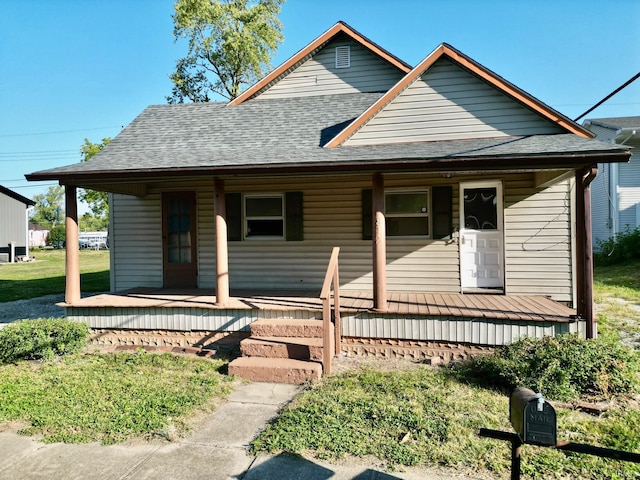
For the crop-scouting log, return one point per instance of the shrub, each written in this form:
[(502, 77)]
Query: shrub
[(41, 339), (622, 247), (565, 367)]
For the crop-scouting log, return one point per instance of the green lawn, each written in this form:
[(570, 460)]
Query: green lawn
[(45, 276), (110, 398)]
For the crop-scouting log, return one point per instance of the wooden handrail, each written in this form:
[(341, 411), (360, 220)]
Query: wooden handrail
[(331, 277)]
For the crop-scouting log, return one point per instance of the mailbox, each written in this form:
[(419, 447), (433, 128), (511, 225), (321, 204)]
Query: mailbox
[(532, 417)]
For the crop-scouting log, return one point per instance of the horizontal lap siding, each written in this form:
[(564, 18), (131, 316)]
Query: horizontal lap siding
[(13, 221), (447, 103), (318, 75), (537, 239), (332, 217), (136, 241)]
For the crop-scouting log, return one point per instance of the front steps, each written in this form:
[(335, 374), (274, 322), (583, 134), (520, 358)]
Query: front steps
[(281, 351)]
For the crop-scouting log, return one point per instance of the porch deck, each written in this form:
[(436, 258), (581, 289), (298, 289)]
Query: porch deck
[(510, 308)]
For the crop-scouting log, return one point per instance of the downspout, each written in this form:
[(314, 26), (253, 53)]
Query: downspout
[(588, 253)]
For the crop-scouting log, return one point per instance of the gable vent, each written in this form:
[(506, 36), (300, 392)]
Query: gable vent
[(343, 56)]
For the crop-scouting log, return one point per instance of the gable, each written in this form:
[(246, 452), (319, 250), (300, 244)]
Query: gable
[(447, 102), (320, 75)]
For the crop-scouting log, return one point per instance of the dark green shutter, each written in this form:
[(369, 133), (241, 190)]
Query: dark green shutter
[(233, 207), (367, 214), (293, 216), (442, 201)]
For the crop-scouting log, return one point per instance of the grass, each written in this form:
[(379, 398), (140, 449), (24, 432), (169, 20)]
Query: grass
[(425, 416), (45, 276), (109, 398)]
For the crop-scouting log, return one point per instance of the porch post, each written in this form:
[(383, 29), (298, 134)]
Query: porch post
[(222, 256), (72, 247), (584, 248), (379, 246)]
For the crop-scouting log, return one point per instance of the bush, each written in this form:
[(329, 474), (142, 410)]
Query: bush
[(622, 247), (41, 339), (563, 368)]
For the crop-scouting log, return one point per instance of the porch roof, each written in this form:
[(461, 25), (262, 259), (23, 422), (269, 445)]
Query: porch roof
[(289, 134)]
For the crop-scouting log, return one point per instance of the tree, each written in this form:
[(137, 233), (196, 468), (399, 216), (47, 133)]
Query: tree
[(98, 201), (57, 236), (91, 223), (48, 211), (231, 43)]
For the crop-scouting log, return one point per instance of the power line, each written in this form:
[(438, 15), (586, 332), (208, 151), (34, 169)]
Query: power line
[(624, 85), (57, 132)]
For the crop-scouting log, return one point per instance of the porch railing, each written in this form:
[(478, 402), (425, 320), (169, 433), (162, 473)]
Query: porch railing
[(332, 277)]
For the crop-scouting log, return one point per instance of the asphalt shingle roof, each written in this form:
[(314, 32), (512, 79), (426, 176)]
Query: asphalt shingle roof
[(285, 132), (618, 122)]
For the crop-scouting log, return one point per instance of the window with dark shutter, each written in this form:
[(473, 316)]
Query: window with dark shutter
[(442, 202)]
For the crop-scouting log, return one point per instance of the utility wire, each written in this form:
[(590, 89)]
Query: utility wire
[(624, 85), (57, 132)]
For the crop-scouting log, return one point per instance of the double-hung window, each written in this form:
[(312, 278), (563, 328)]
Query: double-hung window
[(407, 213), (264, 216)]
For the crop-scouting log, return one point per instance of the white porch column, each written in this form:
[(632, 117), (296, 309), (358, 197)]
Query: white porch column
[(379, 245), (72, 248), (222, 256)]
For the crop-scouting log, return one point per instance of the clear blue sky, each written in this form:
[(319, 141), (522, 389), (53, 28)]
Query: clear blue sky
[(76, 69)]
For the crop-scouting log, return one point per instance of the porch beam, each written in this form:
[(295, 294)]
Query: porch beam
[(222, 256), (72, 247), (379, 245)]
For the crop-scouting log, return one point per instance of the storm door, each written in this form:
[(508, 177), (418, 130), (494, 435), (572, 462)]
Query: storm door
[(481, 236), (179, 250)]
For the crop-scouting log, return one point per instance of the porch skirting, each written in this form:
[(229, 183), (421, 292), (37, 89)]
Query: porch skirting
[(414, 322)]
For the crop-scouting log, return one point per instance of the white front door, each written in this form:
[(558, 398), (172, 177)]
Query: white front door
[(481, 235)]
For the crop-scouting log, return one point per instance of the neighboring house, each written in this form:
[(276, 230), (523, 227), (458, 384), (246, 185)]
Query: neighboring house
[(615, 193), (14, 228), (460, 204), (37, 235)]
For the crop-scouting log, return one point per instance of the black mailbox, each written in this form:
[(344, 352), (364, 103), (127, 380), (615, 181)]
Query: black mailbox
[(532, 417)]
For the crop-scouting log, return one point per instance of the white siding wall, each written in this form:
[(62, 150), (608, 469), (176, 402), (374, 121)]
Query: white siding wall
[(319, 75), (603, 211), (13, 221), (448, 103), (629, 190), (136, 242), (538, 239)]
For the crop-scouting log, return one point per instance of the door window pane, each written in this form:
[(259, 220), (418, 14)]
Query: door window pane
[(179, 231), (480, 208)]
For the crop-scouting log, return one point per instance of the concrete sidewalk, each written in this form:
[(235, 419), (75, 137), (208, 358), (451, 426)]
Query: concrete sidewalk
[(217, 449)]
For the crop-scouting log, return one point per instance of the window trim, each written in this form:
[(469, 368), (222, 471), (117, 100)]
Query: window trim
[(246, 218), (428, 214)]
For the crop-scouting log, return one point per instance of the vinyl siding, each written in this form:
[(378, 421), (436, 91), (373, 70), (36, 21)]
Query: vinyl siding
[(449, 103), (319, 75), (603, 210), (538, 239), (13, 221), (136, 242)]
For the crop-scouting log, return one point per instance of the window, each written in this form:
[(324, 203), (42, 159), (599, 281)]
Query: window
[(264, 216), (407, 213)]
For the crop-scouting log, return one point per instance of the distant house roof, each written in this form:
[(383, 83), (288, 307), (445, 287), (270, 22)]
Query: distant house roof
[(17, 196), (616, 123)]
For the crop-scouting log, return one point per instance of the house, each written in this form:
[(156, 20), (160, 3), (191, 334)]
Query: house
[(37, 235), (459, 202), (615, 193), (14, 221)]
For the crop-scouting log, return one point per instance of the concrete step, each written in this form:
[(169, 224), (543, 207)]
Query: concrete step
[(281, 327), (283, 347), (275, 370)]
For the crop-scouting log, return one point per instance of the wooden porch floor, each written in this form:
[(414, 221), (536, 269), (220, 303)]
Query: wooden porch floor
[(511, 307)]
